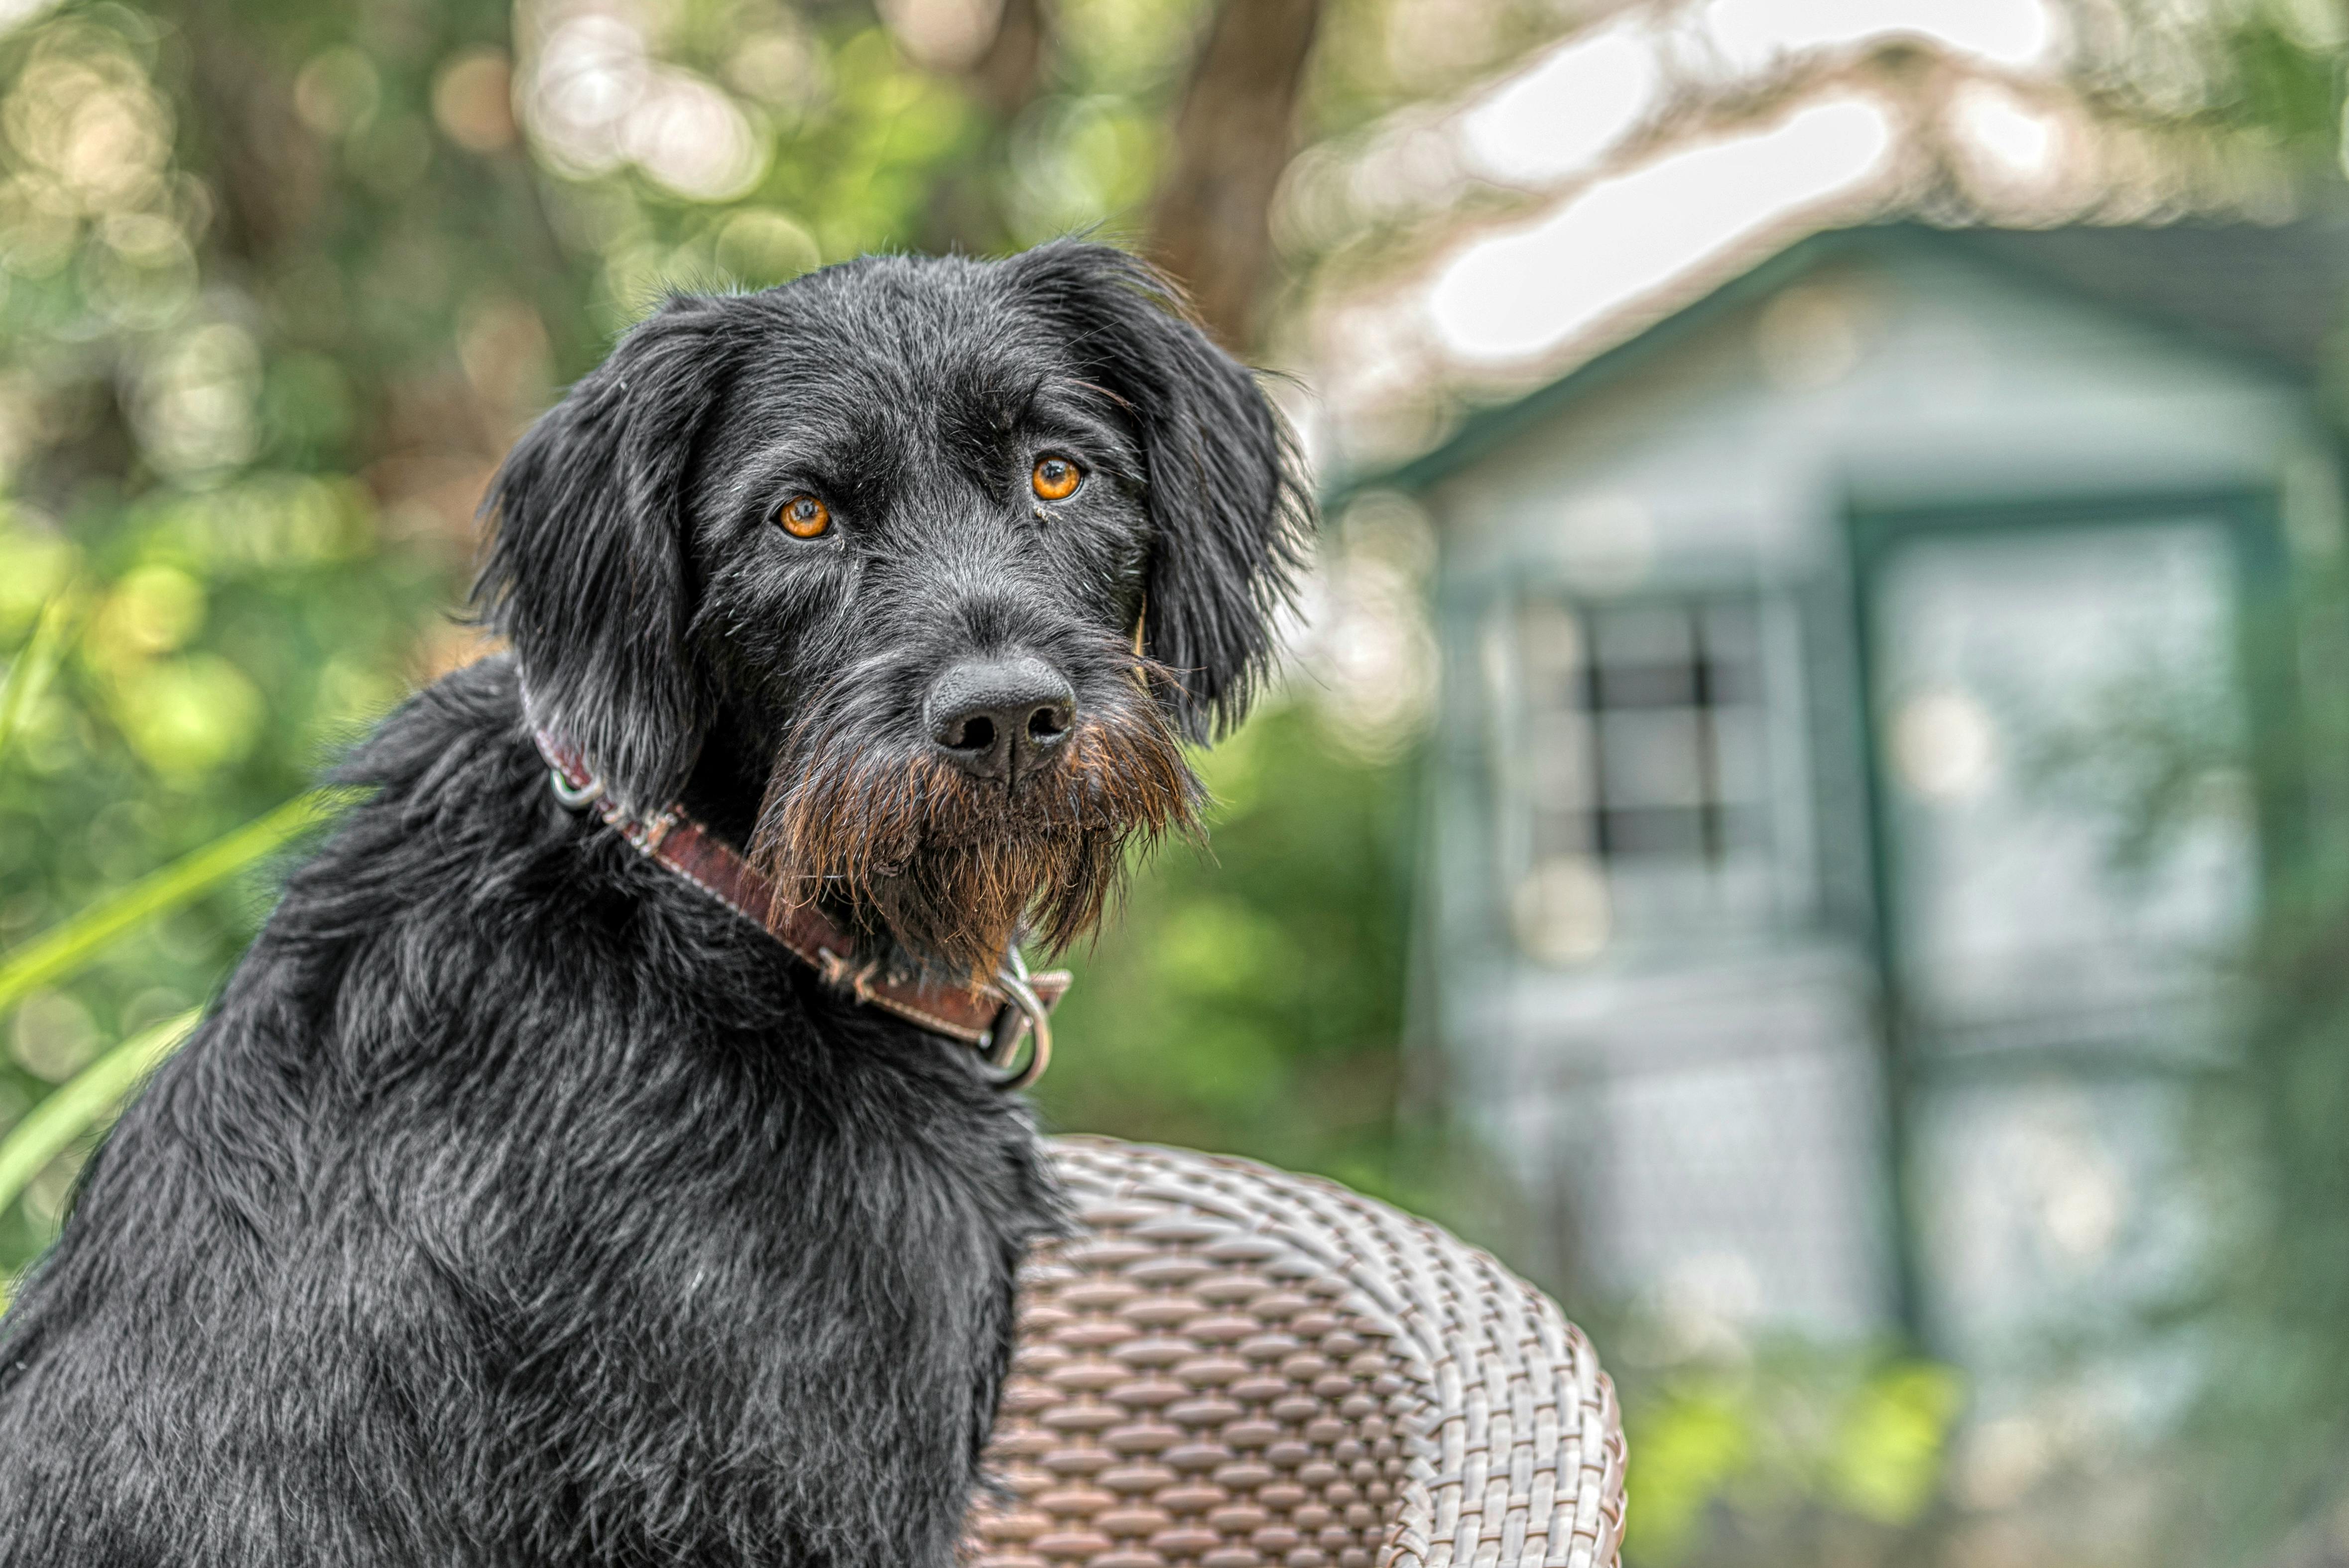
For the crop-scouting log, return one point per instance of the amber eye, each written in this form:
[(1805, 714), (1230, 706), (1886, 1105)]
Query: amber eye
[(805, 517), (1055, 479)]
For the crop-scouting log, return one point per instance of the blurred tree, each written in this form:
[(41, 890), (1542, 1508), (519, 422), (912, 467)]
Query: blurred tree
[(1250, 997), (1212, 227)]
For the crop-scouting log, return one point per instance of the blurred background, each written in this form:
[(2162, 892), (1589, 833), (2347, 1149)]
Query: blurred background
[(1809, 802)]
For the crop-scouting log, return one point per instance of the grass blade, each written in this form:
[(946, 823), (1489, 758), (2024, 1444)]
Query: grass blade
[(50, 1127), (65, 947), (30, 672)]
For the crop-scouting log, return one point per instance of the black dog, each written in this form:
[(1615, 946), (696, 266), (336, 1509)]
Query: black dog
[(521, 1203)]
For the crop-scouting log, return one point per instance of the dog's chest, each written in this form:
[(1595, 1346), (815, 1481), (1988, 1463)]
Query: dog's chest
[(829, 1291)]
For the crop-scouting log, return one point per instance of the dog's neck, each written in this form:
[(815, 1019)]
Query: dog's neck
[(723, 793), (726, 786)]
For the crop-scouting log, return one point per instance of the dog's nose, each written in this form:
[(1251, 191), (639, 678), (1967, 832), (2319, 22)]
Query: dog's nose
[(1001, 718)]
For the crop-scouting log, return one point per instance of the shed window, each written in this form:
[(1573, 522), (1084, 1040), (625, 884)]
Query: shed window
[(1646, 766)]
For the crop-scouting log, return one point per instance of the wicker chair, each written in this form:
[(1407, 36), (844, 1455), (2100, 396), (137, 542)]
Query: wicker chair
[(1230, 1366)]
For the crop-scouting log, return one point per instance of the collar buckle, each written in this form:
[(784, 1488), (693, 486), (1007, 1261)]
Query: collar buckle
[(574, 796), (1024, 1016)]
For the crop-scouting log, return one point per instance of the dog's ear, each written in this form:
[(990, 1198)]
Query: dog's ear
[(1228, 509), (586, 571)]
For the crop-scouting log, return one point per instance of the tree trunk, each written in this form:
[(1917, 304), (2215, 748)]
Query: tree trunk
[(1008, 72), (267, 167), (965, 212), (1211, 228)]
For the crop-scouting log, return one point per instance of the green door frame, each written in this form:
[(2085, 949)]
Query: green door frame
[(2266, 641)]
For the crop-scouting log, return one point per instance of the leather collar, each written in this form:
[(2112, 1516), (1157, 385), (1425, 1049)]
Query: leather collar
[(993, 1018)]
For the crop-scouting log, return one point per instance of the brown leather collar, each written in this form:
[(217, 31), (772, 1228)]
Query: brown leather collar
[(994, 1019)]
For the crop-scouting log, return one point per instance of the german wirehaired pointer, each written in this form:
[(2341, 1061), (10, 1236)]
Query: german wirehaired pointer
[(603, 1154)]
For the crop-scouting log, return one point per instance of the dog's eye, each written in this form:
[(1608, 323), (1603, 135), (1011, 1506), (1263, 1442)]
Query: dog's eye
[(1055, 479), (805, 517)]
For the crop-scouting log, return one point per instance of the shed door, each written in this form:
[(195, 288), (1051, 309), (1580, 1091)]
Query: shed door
[(2069, 861)]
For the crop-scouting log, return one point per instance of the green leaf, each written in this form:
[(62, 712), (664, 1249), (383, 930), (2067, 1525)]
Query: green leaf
[(29, 672), (50, 1127), (1691, 1448), (66, 947), (1892, 1441)]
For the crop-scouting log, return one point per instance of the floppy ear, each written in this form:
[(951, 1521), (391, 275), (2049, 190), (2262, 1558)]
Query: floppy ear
[(1228, 509), (586, 571)]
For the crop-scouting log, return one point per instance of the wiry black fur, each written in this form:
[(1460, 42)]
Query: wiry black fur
[(517, 1205)]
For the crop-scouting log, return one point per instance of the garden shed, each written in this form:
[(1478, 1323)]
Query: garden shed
[(1867, 742)]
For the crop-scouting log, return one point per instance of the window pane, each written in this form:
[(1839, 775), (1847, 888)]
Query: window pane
[(1550, 637), (1655, 832), (1559, 747), (1740, 757), (1647, 685), (1647, 635), (1652, 758)]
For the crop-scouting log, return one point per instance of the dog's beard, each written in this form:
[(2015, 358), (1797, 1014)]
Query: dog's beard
[(957, 867)]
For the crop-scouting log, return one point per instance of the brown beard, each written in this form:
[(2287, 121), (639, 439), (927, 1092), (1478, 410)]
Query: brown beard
[(955, 867)]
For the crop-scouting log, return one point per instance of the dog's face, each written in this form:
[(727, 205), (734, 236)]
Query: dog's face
[(958, 553)]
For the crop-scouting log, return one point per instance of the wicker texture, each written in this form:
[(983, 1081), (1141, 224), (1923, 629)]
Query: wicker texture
[(1230, 1366)]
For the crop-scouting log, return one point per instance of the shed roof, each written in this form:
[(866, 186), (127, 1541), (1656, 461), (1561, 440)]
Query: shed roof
[(2270, 293)]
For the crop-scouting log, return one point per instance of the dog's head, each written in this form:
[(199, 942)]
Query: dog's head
[(949, 557)]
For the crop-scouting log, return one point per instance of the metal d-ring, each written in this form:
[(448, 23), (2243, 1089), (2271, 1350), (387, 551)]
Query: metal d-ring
[(573, 797), (1005, 1037)]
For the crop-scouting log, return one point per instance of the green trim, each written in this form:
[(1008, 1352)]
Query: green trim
[(2080, 1064), (2180, 330), (1881, 527), (2253, 523), (1489, 428)]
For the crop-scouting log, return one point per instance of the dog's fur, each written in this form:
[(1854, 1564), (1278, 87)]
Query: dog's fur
[(517, 1203)]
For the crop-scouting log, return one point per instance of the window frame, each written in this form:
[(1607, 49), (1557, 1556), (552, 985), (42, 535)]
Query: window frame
[(1783, 666)]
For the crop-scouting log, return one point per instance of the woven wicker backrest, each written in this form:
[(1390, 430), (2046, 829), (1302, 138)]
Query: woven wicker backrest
[(1231, 1367)]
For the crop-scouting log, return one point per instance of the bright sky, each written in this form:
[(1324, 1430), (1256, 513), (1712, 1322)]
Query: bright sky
[(1562, 115), (2017, 34), (1520, 292), (1559, 116)]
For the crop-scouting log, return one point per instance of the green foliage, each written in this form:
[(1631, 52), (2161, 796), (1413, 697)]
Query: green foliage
[(1249, 998), (30, 672), (2266, 1452), (2285, 62), (76, 1108), (1791, 1441), (73, 942)]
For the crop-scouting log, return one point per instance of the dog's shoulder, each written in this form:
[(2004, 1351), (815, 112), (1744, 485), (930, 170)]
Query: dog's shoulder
[(472, 716), (456, 802), (459, 862)]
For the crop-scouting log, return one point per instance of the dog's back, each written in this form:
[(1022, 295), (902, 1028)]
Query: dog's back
[(513, 1206)]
